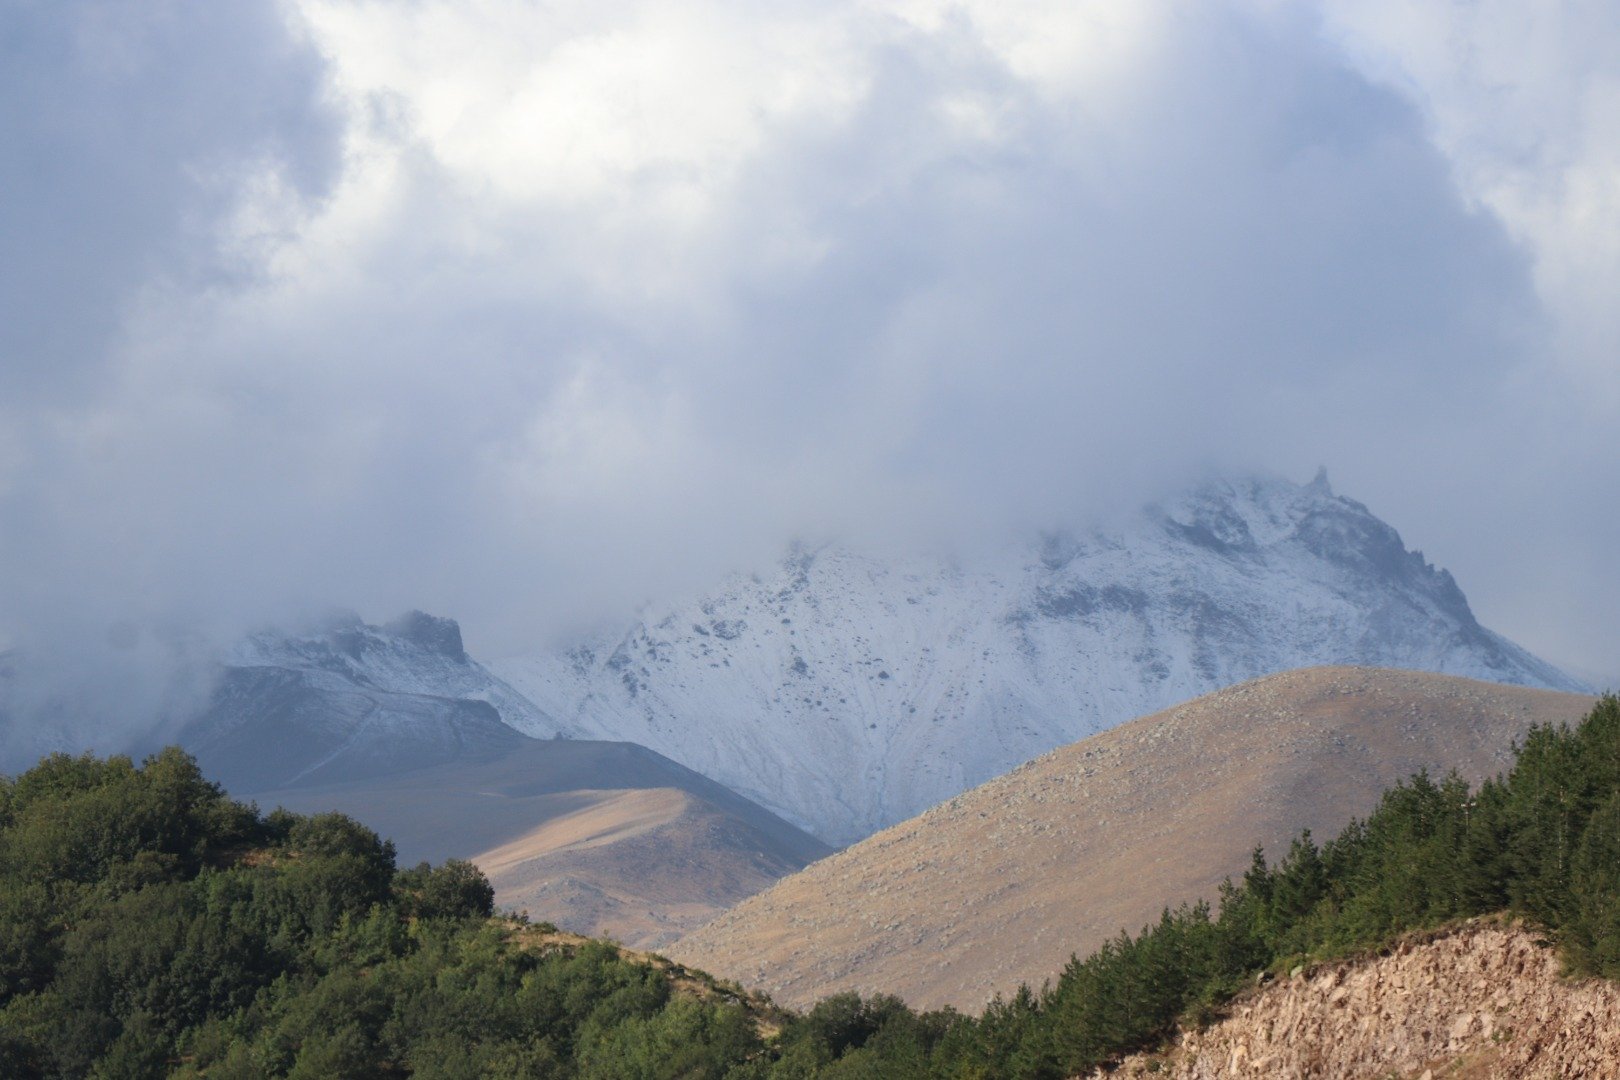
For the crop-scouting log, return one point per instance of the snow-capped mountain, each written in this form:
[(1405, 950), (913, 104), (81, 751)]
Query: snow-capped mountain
[(848, 692), (349, 700)]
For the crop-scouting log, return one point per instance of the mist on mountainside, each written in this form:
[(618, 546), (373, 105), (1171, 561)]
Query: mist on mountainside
[(848, 690), (281, 337)]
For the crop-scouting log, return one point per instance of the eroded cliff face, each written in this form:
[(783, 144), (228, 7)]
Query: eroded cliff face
[(1483, 1001)]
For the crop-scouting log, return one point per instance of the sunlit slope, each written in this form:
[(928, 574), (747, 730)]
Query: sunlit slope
[(1001, 884), (600, 838)]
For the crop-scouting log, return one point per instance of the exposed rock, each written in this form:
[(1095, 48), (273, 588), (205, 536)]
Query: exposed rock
[(432, 632), (1484, 1001)]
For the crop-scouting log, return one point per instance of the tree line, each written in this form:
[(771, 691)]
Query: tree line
[(151, 926)]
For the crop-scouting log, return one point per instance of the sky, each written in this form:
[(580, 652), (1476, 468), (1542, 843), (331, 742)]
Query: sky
[(522, 311)]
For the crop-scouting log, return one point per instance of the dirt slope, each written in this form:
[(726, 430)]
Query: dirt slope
[(600, 838), (1003, 883), (1484, 1001)]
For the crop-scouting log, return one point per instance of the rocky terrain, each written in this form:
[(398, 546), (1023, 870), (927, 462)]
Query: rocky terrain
[(1483, 1001), (848, 690), (604, 839), (1002, 884)]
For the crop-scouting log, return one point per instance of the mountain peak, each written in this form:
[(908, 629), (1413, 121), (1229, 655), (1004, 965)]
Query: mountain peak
[(345, 699), (432, 632), (848, 690)]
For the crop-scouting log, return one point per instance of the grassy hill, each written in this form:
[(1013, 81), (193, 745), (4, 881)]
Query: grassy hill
[(1000, 885)]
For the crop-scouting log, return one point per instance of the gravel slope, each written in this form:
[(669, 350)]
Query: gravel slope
[(1483, 1002)]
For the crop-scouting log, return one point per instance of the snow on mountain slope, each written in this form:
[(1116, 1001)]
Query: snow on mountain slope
[(847, 692), (350, 700), (416, 653)]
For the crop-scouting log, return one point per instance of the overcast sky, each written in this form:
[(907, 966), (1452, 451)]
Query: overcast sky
[(516, 310)]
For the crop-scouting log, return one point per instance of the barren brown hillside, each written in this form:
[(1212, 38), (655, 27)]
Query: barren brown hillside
[(1003, 883), (1481, 1002), (604, 839)]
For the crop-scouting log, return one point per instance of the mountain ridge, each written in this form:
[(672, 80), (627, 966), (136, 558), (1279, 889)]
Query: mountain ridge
[(598, 838), (343, 700), (397, 726), (848, 692)]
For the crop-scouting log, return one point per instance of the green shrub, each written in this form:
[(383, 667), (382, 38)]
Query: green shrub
[(149, 926)]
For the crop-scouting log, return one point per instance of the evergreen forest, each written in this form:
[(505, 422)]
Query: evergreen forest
[(151, 926)]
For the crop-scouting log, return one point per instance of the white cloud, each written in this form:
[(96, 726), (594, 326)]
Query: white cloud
[(610, 295), (1524, 100)]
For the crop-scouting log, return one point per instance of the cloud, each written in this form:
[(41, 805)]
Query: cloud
[(144, 149), (598, 300), (1524, 100), (132, 133)]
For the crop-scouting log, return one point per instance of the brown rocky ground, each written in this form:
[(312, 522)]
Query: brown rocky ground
[(1003, 883), (1483, 1002), (603, 839)]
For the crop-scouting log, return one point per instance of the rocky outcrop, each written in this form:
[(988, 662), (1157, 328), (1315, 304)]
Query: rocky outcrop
[(1486, 1000)]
